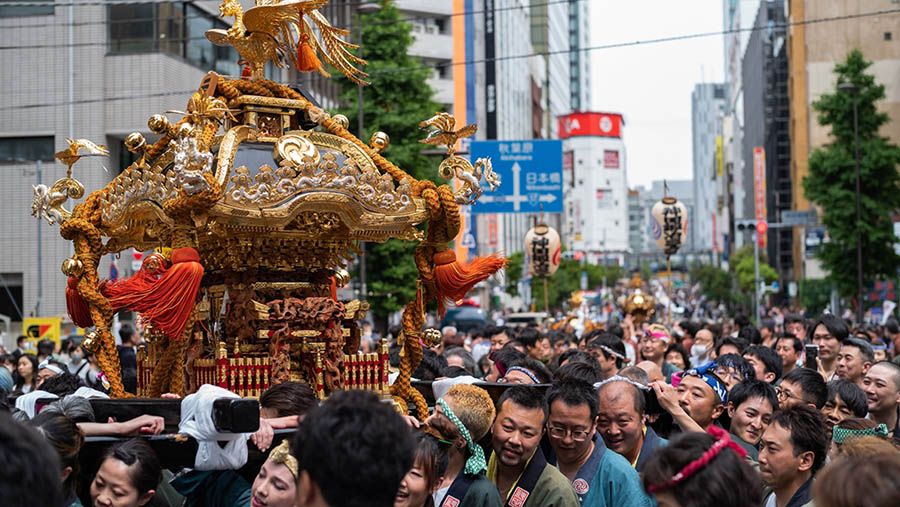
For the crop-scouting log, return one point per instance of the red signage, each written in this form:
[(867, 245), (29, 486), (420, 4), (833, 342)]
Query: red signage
[(590, 124), (599, 194), (569, 167), (715, 237), (762, 227), (611, 159), (759, 186)]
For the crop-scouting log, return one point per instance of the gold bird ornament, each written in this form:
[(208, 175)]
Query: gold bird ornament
[(283, 31), (77, 149)]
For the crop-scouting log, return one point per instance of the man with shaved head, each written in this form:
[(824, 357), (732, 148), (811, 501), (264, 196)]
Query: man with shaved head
[(621, 421), (882, 387), (652, 369)]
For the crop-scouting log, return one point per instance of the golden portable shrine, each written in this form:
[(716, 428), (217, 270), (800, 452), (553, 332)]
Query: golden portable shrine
[(254, 202)]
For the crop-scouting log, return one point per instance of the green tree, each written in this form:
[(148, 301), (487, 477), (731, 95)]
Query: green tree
[(395, 102), (742, 264), (831, 183), (814, 295), (716, 283), (513, 273)]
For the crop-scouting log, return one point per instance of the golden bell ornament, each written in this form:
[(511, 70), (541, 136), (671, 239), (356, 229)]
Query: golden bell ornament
[(72, 267), (91, 341), (342, 120), (158, 124), (380, 141), (135, 142), (341, 277), (432, 337)]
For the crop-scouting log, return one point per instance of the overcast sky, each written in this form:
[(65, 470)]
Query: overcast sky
[(651, 84)]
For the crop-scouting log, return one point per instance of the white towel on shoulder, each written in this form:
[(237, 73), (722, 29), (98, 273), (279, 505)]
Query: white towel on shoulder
[(197, 422)]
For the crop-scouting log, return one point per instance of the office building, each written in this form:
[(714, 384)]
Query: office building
[(813, 51), (707, 112), (766, 149)]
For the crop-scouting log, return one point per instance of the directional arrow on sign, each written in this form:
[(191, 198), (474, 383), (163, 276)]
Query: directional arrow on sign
[(516, 198), (521, 198), (517, 187)]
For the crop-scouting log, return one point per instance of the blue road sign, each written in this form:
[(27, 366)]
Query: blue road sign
[(530, 173)]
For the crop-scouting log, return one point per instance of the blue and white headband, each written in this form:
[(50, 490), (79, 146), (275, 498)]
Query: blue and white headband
[(703, 373), (525, 371)]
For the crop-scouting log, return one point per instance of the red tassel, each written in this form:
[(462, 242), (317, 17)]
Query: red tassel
[(307, 60), (245, 67), (454, 280), (77, 306), (333, 288), (119, 292), (167, 301)]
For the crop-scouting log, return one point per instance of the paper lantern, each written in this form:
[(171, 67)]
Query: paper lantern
[(668, 224), (543, 249)]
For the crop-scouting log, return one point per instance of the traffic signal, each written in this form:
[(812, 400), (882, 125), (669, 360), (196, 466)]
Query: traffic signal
[(760, 226)]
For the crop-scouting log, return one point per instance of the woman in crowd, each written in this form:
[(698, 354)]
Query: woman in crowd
[(26, 368), (423, 479), (276, 483), (64, 436), (128, 475), (702, 470), (678, 357)]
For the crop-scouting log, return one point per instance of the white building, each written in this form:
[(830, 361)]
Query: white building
[(596, 185), (432, 30), (707, 110)]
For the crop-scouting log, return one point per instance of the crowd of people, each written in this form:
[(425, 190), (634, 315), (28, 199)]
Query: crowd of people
[(696, 414)]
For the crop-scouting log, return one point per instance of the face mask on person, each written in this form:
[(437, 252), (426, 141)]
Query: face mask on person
[(698, 350), (76, 358)]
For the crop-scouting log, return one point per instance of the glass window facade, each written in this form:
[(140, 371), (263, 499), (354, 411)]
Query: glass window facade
[(174, 28), (24, 149)]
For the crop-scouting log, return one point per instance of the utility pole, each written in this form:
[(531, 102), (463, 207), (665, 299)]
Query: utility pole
[(40, 260), (756, 276)]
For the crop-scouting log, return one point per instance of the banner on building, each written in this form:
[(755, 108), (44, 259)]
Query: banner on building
[(39, 328), (604, 198), (720, 157), (569, 167), (590, 124), (611, 159), (715, 235), (759, 184)]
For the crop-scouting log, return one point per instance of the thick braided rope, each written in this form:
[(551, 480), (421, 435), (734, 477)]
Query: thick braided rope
[(159, 379), (81, 230), (251, 88), (413, 320), (476, 462)]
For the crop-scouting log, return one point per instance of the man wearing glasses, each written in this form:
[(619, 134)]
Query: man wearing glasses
[(802, 386), (599, 476)]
